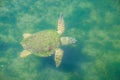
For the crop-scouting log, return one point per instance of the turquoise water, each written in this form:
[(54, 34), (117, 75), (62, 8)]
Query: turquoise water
[(94, 23)]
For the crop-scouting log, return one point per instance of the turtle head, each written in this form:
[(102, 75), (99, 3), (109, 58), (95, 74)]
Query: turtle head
[(67, 40)]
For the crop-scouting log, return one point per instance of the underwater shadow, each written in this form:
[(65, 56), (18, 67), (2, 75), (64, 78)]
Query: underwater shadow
[(73, 58), (70, 59)]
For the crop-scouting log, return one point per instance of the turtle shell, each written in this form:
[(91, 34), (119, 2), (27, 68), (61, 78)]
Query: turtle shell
[(42, 43)]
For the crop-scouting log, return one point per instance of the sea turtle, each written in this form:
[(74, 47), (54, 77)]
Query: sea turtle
[(46, 42)]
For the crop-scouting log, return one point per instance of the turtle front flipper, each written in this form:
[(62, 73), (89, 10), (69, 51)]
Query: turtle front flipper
[(60, 27), (58, 57), (25, 53)]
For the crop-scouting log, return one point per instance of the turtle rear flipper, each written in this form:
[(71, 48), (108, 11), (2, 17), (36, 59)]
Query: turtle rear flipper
[(58, 57), (24, 53), (26, 35)]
